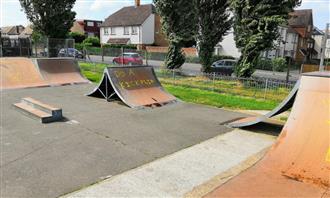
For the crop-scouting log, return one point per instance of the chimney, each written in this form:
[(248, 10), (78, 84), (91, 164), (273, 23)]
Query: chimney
[(137, 3)]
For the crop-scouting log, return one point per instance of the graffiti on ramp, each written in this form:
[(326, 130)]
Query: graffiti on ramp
[(136, 86)]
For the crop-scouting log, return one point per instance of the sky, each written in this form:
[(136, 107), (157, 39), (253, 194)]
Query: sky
[(12, 14)]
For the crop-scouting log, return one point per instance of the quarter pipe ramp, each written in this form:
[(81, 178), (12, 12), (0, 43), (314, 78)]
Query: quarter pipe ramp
[(285, 105), (19, 73), (60, 71), (136, 86), (25, 73), (298, 164)]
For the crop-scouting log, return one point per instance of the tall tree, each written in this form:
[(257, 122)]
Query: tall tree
[(256, 27), (213, 19), (52, 18), (179, 25)]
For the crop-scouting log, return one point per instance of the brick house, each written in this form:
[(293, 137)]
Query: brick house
[(87, 27), (139, 25)]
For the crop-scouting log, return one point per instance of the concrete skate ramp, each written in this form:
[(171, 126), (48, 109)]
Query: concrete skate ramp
[(60, 71), (136, 86), (285, 105), (19, 73), (298, 164)]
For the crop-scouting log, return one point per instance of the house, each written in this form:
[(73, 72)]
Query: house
[(227, 46), (318, 36), (295, 39), (11, 31), (27, 32), (87, 27), (138, 25)]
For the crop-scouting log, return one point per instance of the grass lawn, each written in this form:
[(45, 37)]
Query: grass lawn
[(94, 72), (219, 100)]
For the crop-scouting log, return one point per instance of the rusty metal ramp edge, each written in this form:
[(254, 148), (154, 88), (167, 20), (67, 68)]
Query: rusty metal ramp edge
[(285, 105), (298, 164), (60, 71), (136, 86)]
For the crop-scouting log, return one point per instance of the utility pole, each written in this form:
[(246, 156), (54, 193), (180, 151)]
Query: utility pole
[(323, 47)]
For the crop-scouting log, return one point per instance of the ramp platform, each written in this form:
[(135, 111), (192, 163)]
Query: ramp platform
[(19, 73), (136, 86), (298, 164), (285, 105)]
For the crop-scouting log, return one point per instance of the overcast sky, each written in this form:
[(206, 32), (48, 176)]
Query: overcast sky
[(11, 13)]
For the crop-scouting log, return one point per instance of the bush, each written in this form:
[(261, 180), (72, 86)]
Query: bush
[(79, 46), (264, 64), (78, 38), (92, 41), (279, 64)]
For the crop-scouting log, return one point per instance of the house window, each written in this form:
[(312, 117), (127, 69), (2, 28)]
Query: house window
[(106, 31), (90, 23), (126, 30), (112, 31), (134, 30)]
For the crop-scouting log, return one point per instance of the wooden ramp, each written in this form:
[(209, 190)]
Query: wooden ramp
[(19, 73), (298, 165)]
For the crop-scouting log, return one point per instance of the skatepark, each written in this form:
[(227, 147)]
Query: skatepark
[(127, 136)]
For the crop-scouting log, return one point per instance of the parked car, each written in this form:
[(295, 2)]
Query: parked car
[(128, 58), (70, 52), (225, 66)]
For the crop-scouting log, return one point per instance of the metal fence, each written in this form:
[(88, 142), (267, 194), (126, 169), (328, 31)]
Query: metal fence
[(25, 47), (259, 88)]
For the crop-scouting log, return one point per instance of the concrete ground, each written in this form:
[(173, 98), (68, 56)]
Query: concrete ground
[(191, 172), (98, 139)]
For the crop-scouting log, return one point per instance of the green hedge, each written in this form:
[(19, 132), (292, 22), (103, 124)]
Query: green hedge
[(275, 64)]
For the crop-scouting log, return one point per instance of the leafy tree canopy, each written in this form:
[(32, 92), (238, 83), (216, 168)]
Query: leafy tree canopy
[(179, 25), (256, 27), (52, 18), (213, 20)]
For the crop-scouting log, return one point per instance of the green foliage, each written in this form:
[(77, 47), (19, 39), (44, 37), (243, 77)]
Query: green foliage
[(36, 37), (50, 18), (213, 22), (279, 64), (256, 27), (79, 46), (275, 64), (179, 25), (92, 41), (78, 37)]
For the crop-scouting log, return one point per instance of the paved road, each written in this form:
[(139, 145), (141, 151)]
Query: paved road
[(192, 68)]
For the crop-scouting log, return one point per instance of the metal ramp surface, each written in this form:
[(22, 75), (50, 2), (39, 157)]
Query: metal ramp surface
[(285, 105), (298, 164), (136, 86)]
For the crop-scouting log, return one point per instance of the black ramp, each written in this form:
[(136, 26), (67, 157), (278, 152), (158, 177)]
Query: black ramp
[(285, 105)]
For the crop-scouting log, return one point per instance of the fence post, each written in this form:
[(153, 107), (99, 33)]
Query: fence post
[(146, 56), (173, 75), (102, 52), (213, 81), (266, 86)]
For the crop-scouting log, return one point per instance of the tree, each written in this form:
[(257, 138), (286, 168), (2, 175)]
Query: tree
[(256, 27), (78, 37), (51, 18), (213, 19), (179, 24)]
